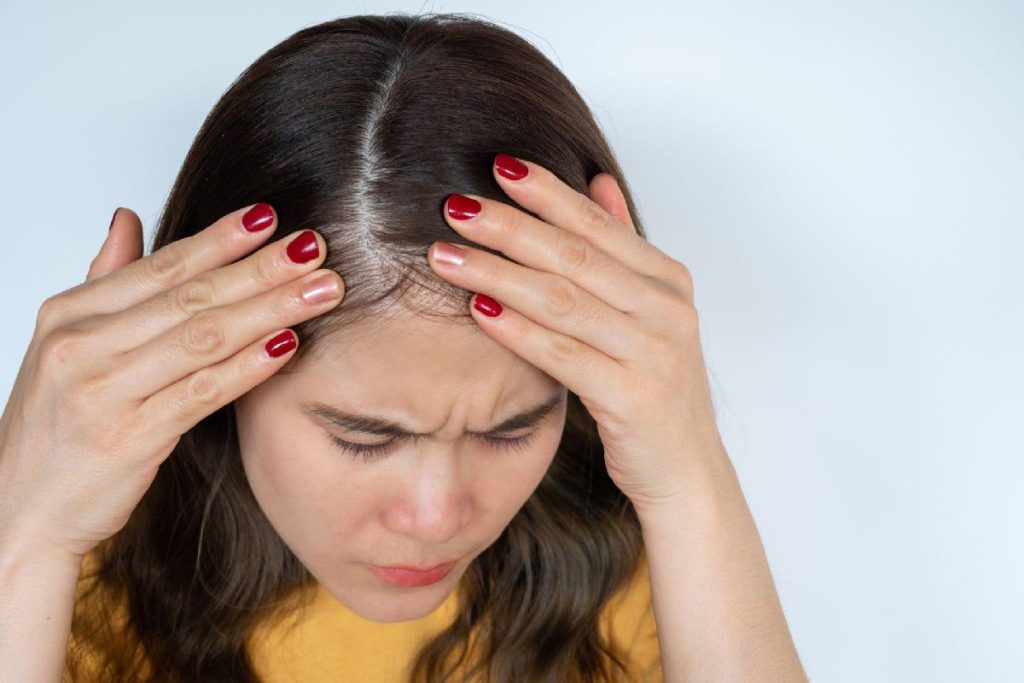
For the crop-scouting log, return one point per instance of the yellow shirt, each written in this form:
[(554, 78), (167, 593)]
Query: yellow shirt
[(308, 651)]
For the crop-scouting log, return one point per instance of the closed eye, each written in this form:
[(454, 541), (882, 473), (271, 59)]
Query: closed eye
[(377, 451)]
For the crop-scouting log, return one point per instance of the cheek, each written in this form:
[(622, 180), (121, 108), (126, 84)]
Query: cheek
[(309, 498)]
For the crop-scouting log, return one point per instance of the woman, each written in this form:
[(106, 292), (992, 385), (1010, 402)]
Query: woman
[(499, 461)]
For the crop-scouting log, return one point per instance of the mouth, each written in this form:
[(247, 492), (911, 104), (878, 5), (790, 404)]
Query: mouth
[(410, 577)]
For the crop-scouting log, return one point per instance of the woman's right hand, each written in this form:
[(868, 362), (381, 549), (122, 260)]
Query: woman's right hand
[(120, 366)]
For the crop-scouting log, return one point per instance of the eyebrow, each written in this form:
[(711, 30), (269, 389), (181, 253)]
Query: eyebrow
[(372, 424)]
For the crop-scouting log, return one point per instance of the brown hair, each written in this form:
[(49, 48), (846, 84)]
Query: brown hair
[(359, 128)]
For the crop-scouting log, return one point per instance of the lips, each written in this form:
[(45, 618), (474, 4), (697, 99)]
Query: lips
[(413, 568), (410, 577)]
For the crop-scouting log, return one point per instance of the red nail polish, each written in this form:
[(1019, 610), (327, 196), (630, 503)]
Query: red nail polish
[(112, 218), (462, 207), (281, 344), (486, 305), (510, 167), (259, 217), (304, 248)]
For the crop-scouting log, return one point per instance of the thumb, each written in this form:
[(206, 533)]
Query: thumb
[(122, 246)]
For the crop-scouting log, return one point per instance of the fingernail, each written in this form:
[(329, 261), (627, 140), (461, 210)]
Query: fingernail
[(281, 344), (510, 167), (486, 305), (259, 217), (321, 290), (449, 253), (462, 207), (304, 248), (112, 218)]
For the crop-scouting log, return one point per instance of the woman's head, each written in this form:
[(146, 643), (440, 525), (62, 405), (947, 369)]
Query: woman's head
[(360, 128)]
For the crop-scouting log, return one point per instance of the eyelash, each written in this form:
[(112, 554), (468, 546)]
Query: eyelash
[(377, 451)]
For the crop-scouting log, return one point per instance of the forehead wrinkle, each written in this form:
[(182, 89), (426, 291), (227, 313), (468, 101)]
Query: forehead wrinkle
[(383, 426)]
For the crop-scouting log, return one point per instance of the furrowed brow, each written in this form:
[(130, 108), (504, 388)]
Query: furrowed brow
[(379, 426)]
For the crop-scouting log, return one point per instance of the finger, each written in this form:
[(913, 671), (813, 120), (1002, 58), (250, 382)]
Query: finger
[(212, 335), (122, 246), (181, 406), (605, 191), (273, 265), (584, 370), (547, 299), (543, 193), (222, 242), (540, 245)]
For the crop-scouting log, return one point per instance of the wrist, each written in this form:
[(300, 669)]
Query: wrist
[(707, 486), (22, 551)]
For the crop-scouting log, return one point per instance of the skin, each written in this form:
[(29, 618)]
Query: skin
[(442, 497)]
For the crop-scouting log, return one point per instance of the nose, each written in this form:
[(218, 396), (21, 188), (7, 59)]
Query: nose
[(431, 507)]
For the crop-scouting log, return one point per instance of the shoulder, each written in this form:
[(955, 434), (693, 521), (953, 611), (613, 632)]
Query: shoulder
[(628, 621)]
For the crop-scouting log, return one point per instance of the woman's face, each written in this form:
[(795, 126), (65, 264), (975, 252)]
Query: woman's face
[(423, 501)]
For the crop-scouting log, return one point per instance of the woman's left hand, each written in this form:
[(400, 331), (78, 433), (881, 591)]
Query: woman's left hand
[(599, 309)]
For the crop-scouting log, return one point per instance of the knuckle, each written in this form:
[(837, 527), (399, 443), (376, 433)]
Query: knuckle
[(167, 265), (510, 222), (203, 388), (681, 276), (266, 270), (52, 312), (62, 347), (674, 305), (203, 334), (195, 296), (95, 390), (561, 298), (593, 218), (563, 349), (574, 254)]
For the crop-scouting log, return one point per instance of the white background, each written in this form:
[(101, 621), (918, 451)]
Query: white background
[(844, 181)]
